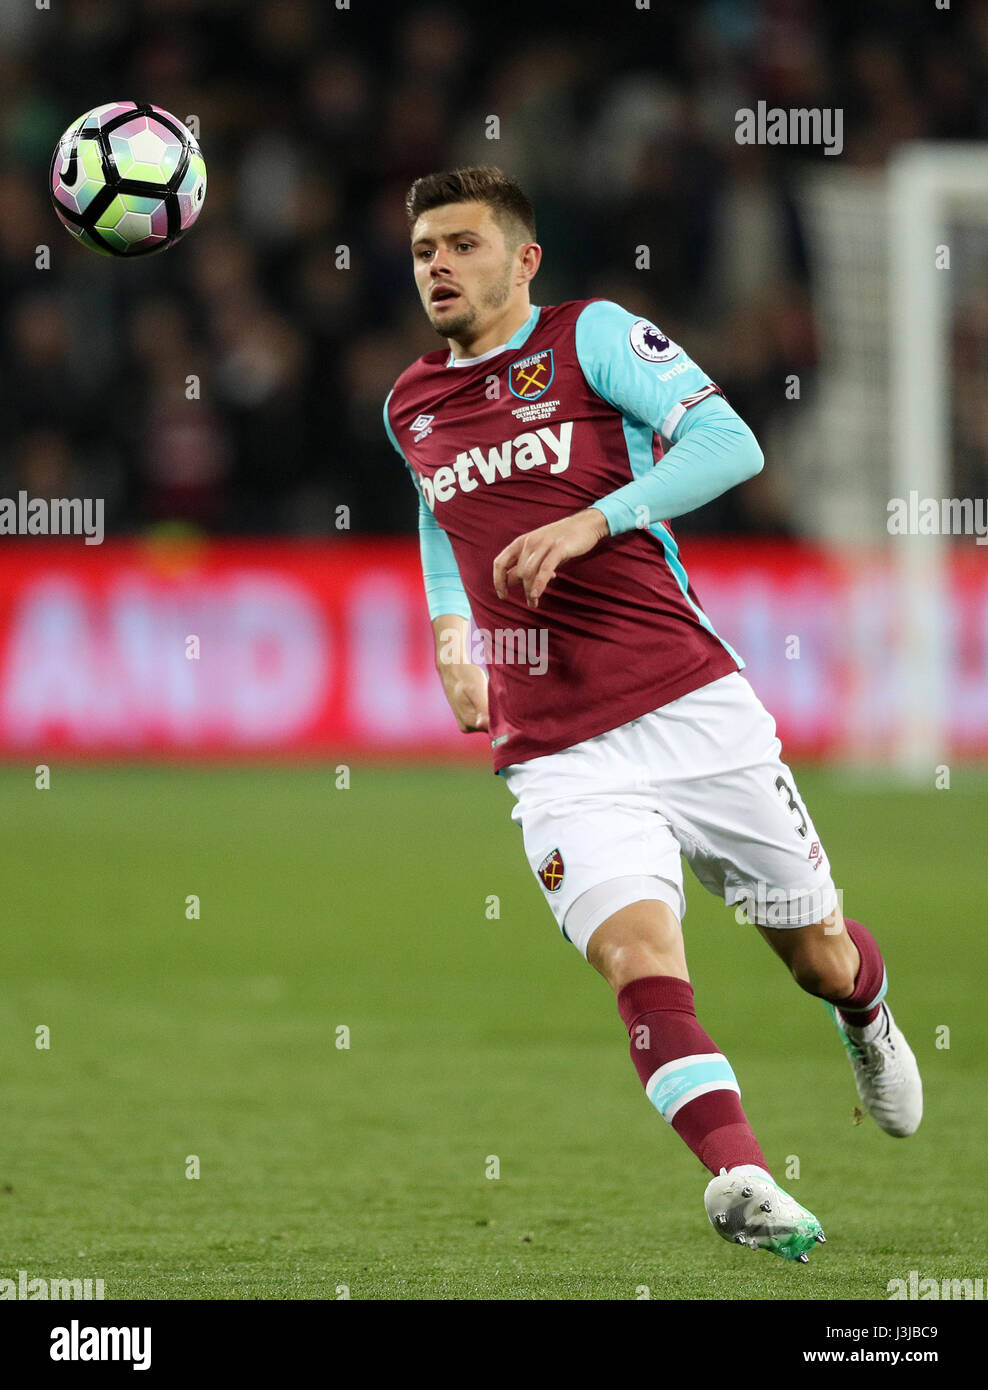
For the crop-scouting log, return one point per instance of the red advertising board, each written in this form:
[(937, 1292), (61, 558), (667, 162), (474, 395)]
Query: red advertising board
[(289, 649)]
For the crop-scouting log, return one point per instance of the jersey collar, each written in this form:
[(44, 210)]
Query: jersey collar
[(516, 340)]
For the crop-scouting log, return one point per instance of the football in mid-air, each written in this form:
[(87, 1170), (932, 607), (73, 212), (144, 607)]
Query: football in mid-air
[(128, 179)]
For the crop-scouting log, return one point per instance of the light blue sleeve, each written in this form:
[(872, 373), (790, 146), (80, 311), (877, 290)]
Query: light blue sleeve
[(631, 364), (444, 592), (715, 450)]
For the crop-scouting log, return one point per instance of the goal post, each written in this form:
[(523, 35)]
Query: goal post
[(899, 280), (929, 186)]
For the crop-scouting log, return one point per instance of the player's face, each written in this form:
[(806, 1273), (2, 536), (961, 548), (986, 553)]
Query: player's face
[(463, 269)]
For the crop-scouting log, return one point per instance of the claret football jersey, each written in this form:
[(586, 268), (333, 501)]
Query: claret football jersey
[(572, 408)]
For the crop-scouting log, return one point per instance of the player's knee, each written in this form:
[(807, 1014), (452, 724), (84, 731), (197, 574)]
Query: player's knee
[(621, 964), (824, 974), (637, 942)]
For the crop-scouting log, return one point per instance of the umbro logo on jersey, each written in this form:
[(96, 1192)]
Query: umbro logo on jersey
[(532, 449), (421, 426)]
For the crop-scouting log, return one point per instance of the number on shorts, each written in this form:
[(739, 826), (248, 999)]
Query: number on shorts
[(781, 785)]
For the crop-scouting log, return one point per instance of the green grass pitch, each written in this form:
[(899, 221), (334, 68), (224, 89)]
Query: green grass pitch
[(472, 1037)]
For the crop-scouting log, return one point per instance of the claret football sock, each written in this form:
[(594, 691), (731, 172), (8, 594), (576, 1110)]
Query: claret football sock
[(863, 1007), (688, 1081)]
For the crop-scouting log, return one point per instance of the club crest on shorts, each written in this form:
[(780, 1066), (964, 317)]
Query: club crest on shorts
[(651, 343), (551, 872), (532, 377)]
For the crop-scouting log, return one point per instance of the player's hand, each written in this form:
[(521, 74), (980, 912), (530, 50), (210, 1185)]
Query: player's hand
[(532, 559), (466, 690)]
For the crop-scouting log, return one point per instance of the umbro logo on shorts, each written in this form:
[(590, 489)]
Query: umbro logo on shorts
[(551, 871)]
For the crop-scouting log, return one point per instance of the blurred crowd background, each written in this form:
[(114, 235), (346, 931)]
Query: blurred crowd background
[(618, 123)]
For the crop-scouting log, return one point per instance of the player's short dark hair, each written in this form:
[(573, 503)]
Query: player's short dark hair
[(478, 184)]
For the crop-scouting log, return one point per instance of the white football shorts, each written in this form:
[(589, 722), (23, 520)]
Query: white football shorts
[(607, 822)]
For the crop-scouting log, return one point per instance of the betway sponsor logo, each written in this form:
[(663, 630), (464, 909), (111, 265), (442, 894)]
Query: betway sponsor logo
[(533, 449)]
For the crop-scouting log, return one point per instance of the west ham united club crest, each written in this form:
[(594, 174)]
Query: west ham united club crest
[(532, 377), (551, 871)]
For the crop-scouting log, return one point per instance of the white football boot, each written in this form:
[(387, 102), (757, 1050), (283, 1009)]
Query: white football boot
[(885, 1073), (748, 1209)]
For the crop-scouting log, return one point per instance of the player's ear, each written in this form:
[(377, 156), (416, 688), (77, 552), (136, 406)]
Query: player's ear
[(529, 259)]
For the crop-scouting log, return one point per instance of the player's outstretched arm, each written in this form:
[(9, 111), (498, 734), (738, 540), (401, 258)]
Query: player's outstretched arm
[(714, 450), (464, 683)]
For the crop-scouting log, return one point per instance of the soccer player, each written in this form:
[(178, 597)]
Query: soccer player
[(534, 439)]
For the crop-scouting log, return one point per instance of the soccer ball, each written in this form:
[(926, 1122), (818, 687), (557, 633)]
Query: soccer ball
[(127, 179)]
